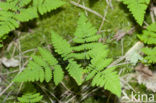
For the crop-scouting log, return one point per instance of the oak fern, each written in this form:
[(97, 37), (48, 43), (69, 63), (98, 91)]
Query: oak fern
[(12, 12), (84, 47), (149, 37), (137, 8)]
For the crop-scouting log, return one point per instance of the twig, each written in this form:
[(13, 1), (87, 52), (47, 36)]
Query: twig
[(136, 47), (88, 9), (104, 18)]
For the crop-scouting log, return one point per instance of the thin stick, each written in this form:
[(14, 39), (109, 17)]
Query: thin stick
[(103, 20), (136, 47), (88, 9)]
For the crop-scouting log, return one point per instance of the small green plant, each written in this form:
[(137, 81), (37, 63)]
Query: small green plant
[(137, 8), (30, 98), (12, 12), (149, 37), (85, 47)]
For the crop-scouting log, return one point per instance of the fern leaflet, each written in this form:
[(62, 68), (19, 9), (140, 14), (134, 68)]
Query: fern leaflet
[(137, 8), (30, 98), (149, 37)]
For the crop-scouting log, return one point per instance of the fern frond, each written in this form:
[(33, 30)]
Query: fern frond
[(22, 11), (89, 39), (137, 8), (98, 74), (149, 35), (7, 22), (30, 98), (58, 74), (30, 74), (46, 55), (43, 64), (45, 6), (84, 28), (75, 71), (151, 54), (86, 46), (61, 46), (26, 14), (109, 80), (40, 69), (23, 3)]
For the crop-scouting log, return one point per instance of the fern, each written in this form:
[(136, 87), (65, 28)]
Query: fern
[(151, 54), (149, 37), (30, 98), (39, 69), (85, 39), (101, 77), (137, 8), (76, 71), (85, 46), (14, 11)]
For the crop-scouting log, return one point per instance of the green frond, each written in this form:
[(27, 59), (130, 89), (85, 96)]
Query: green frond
[(23, 3), (109, 80), (75, 71), (40, 69), (149, 35), (7, 22), (58, 74), (89, 39), (30, 98), (101, 77), (150, 54), (84, 28), (27, 14), (86, 46), (43, 64), (15, 11), (137, 8), (45, 6), (47, 56), (61, 46), (32, 73)]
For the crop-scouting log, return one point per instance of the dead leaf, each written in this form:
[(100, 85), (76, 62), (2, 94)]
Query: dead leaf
[(146, 76), (10, 62)]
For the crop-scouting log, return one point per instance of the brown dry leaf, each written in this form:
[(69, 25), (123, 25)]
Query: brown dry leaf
[(146, 76), (9, 62)]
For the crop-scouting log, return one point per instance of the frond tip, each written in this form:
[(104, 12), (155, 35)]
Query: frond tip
[(137, 8)]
